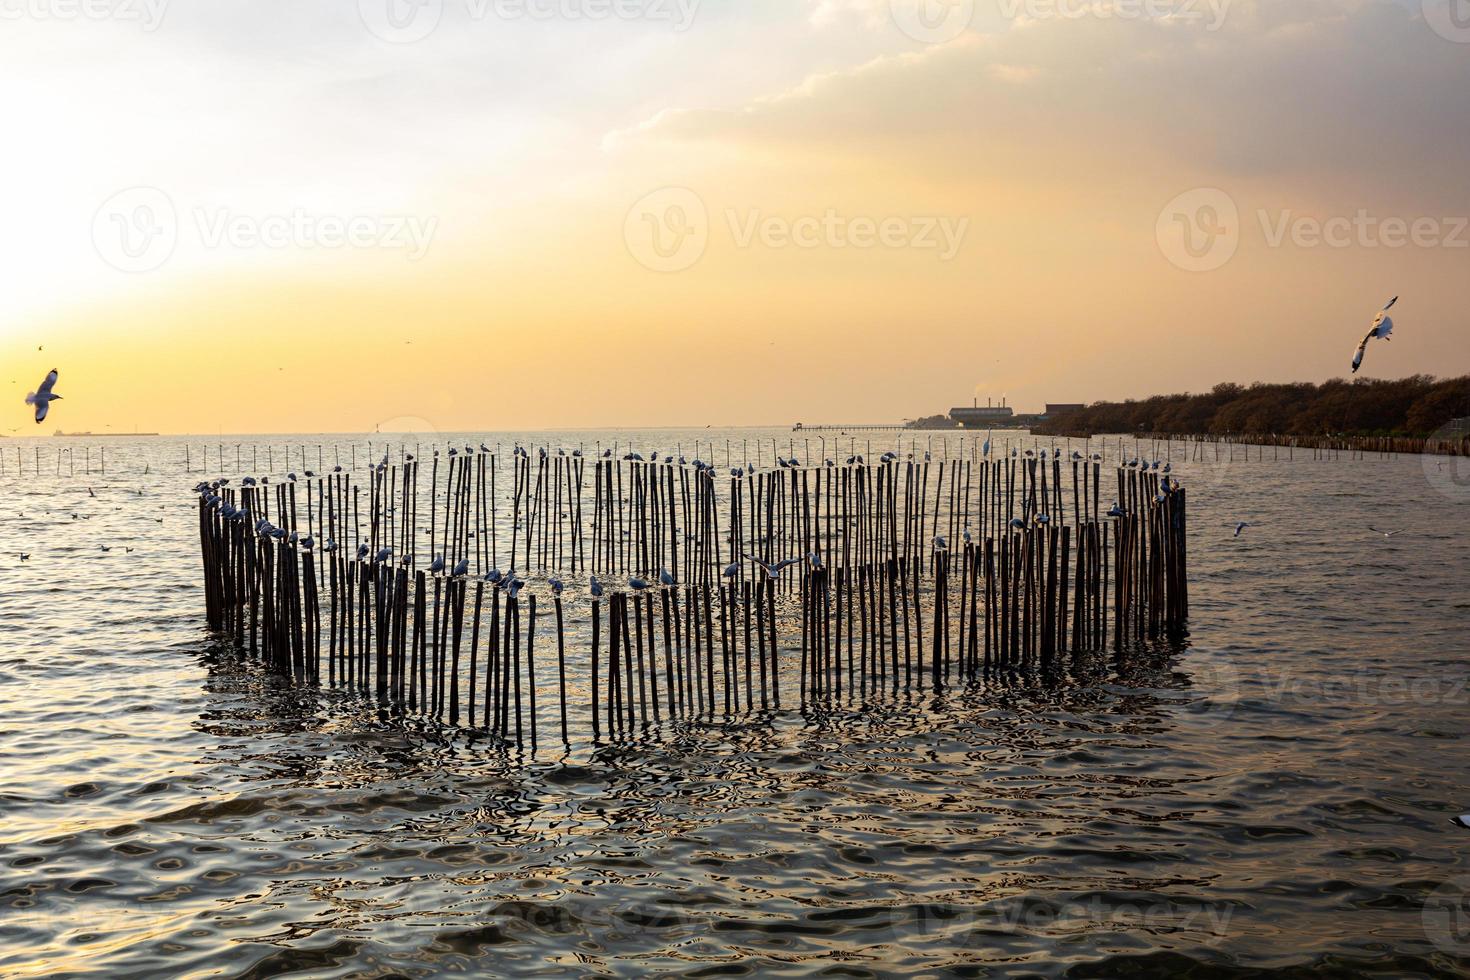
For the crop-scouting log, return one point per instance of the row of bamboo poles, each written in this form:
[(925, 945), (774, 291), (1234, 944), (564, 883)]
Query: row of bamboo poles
[(239, 458), (732, 590)]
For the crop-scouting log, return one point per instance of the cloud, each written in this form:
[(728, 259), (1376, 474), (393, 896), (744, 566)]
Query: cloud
[(1363, 98)]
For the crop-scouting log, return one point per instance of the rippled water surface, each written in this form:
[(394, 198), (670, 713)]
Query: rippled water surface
[(1277, 795)]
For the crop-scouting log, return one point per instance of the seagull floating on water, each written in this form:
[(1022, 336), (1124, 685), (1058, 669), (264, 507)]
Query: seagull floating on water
[(1382, 328)]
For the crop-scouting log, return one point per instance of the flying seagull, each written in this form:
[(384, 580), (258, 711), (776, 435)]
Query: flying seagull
[(1382, 328), (773, 570), (1386, 534), (1240, 526), (42, 397)]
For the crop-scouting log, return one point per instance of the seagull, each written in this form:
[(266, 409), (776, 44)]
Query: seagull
[(362, 552), (383, 555), (732, 569), (1018, 524), (664, 578), (942, 545), (1116, 511), (42, 397), (104, 547), (437, 565), (595, 587), (773, 570), (1382, 328), (556, 585), (91, 492), (462, 569), (815, 560), (1240, 526), (25, 557), (637, 584), (1386, 534)]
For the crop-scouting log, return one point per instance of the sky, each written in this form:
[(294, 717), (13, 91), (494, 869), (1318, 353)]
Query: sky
[(283, 216)]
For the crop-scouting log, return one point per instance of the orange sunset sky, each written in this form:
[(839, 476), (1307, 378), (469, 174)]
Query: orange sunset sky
[(279, 216)]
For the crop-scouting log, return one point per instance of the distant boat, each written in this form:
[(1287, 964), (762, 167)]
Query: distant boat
[(94, 435)]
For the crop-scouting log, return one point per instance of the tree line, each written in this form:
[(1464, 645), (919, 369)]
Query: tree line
[(1413, 406)]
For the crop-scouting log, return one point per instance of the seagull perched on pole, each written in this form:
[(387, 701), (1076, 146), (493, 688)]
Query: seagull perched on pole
[(1382, 328), (42, 397), (461, 569)]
